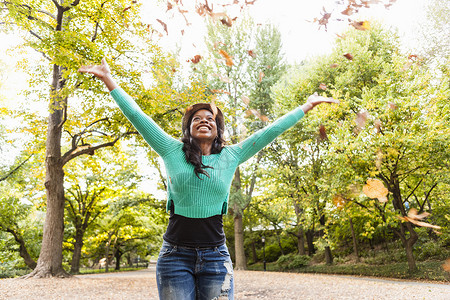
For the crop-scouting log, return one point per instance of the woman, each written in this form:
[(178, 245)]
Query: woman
[(194, 262)]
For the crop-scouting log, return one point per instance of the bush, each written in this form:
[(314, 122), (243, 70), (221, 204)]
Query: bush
[(292, 261), (431, 250)]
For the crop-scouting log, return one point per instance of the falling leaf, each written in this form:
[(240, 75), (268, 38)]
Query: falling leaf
[(196, 59), (164, 25), (363, 25), (446, 265), (348, 56), (169, 6), (379, 159), (339, 201), (261, 75), (251, 53), (392, 106), (126, 8), (245, 99), (334, 65), (257, 114), (377, 124), (223, 78), (322, 133), (322, 86), (374, 188), (414, 218), (361, 118), (348, 11), (213, 108), (220, 92), (228, 59), (341, 36), (226, 22)]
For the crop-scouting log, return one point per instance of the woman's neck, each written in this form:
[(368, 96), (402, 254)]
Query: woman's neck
[(205, 148)]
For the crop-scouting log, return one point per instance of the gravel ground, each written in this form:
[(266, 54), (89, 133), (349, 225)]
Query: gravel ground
[(248, 285)]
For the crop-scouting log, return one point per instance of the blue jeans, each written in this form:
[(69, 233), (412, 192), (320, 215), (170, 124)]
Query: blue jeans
[(194, 273)]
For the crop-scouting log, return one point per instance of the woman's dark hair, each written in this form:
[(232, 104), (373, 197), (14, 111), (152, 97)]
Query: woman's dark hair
[(192, 150)]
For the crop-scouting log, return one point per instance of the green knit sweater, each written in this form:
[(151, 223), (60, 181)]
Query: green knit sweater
[(193, 197)]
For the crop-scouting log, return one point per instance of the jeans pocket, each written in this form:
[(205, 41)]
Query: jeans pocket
[(222, 251), (167, 249)]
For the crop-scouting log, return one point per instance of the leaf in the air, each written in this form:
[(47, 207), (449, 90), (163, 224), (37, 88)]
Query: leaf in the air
[(228, 58), (374, 188), (261, 75), (362, 25), (322, 86), (348, 56)]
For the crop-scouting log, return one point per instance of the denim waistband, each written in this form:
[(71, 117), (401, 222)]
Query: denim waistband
[(190, 247)]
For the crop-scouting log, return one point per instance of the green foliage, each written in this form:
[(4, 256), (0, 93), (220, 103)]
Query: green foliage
[(292, 261)]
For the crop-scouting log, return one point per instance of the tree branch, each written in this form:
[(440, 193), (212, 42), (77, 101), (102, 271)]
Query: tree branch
[(15, 169)]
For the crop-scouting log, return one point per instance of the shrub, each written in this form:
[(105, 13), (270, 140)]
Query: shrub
[(292, 261)]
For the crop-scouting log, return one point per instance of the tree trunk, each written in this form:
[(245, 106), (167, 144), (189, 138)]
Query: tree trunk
[(301, 241), (118, 256), (22, 249), (328, 255), (408, 244), (310, 242), (50, 258), (241, 263), (355, 242), (76, 257)]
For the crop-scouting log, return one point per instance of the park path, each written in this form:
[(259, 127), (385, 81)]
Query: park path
[(248, 285)]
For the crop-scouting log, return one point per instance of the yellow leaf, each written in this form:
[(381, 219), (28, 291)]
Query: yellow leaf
[(374, 188)]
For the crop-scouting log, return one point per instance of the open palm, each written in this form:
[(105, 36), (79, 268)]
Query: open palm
[(315, 99), (100, 71)]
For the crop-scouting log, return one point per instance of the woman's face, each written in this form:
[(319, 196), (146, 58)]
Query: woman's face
[(203, 126)]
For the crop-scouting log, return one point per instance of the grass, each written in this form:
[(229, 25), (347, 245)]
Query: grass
[(428, 270), (111, 270)]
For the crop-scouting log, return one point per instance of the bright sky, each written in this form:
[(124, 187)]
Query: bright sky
[(301, 38)]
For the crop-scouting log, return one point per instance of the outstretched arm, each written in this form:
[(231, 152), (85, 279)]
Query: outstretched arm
[(251, 145), (157, 138)]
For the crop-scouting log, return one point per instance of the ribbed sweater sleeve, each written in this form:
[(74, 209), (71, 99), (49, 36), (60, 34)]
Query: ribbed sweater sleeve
[(254, 143), (157, 138)]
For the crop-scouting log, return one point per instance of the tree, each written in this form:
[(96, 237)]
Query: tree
[(69, 35)]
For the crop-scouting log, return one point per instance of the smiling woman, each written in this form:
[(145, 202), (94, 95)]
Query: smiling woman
[(194, 262)]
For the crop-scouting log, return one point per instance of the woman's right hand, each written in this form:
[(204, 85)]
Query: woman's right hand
[(102, 72)]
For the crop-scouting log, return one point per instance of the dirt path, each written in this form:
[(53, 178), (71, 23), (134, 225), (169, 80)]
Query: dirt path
[(248, 285)]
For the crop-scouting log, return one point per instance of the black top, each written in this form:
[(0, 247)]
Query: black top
[(194, 232)]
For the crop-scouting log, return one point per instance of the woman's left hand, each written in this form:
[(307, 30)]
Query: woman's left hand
[(314, 100)]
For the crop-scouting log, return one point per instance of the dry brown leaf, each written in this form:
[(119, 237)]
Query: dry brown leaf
[(126, 8), (412, 213), (419, 223), (339, 201), (251, 53), (392, 106), (322, 86), (322, 133), (220, 92), (377, 125), (196, 59), (361, 118), (246, 100), (164, 25), (362, 25), (446, 265), (374, 188), (213, 108), (334, 65), (261, 75), (348, 56), (223, 78), (228, 58), (348, 11)]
